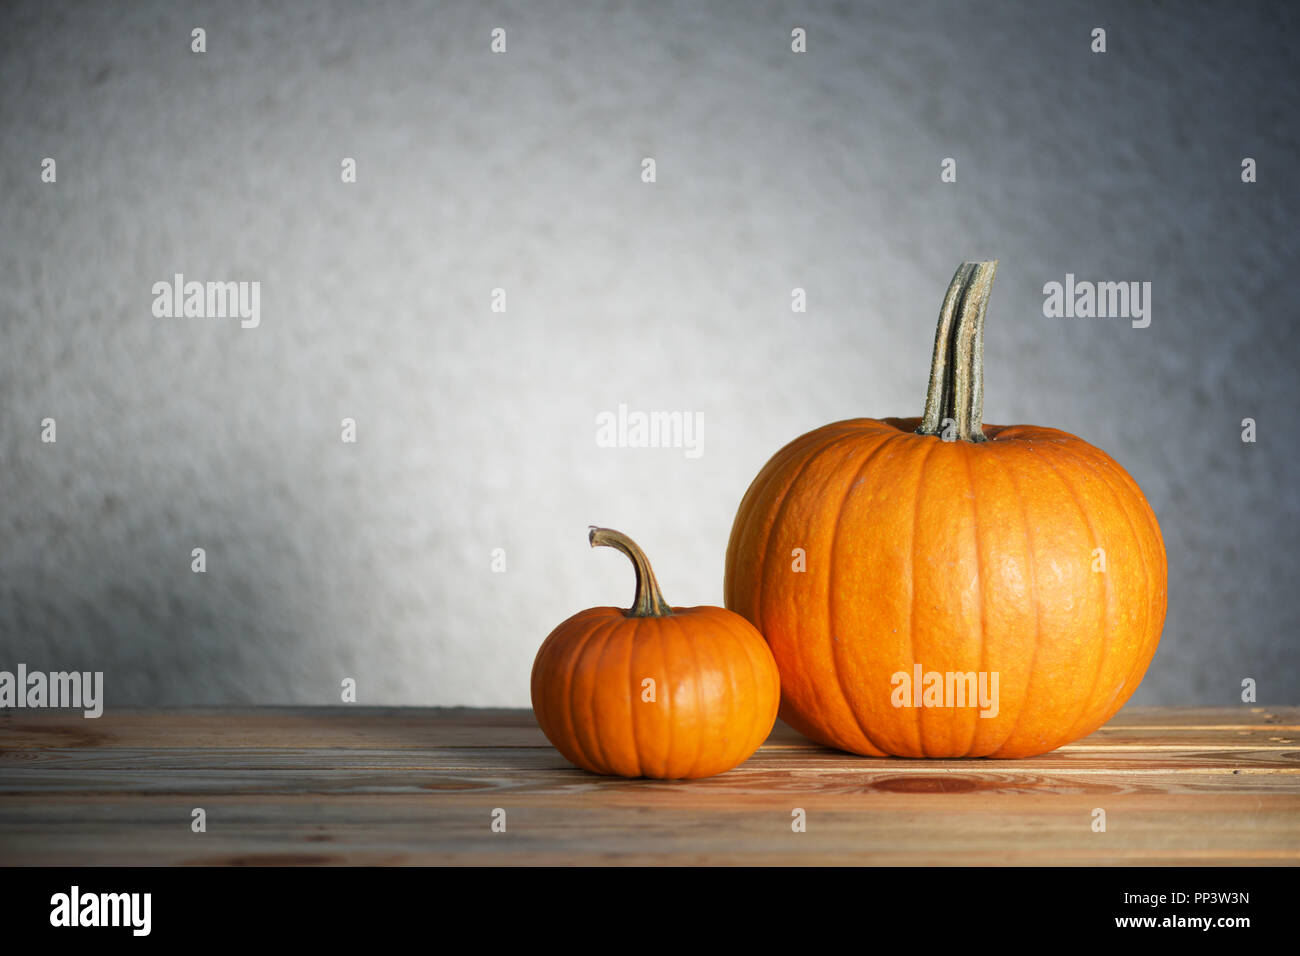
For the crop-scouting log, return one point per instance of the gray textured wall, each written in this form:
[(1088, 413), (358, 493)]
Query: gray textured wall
[(522, 171)]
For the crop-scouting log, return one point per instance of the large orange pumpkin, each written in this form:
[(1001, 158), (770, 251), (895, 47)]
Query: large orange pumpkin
[(654, 691), (893, 564)]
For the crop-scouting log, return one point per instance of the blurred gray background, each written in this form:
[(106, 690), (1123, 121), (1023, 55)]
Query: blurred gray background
[(476, 430)]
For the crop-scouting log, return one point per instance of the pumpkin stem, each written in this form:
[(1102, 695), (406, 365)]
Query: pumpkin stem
[(649, 601), (956, 389)]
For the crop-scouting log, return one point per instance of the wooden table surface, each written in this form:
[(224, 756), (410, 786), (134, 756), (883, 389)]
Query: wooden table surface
[(353, 785)]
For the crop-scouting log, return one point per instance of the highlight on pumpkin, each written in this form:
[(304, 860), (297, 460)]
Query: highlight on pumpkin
[(950, 602), (654, 691)]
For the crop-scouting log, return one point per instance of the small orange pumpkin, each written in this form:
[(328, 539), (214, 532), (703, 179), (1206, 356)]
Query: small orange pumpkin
[(654, 691), (937, 550)]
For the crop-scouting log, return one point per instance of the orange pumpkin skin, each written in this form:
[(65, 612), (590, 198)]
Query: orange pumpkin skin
[(716, 691), (866, 549), (961, 557)]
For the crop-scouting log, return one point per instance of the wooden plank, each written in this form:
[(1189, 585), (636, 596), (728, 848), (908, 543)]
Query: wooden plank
[(107, 768), (393, 728), (572, 783), (409, 829), (417, 786)]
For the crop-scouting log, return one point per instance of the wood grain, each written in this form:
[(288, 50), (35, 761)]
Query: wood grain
[(350, 785)]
